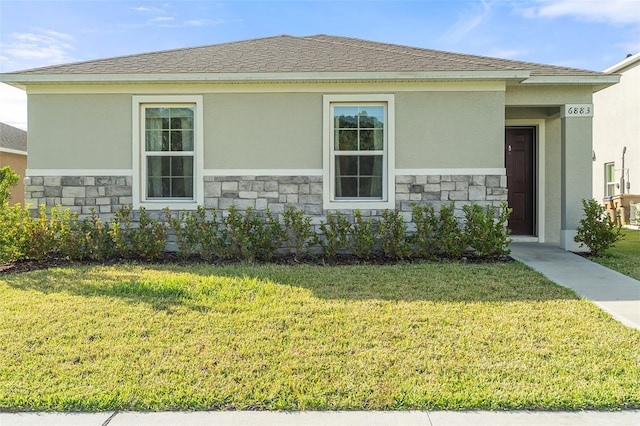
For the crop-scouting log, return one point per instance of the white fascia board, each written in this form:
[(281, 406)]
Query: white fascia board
[(623, 64), (20, 80), (13, 151), (569, 79)]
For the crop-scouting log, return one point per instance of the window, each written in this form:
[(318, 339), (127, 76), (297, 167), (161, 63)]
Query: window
[(358, 139), (169, 150), (609, 179)]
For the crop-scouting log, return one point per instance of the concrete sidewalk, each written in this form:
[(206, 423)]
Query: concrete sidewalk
[(611, 291), (328, 418)]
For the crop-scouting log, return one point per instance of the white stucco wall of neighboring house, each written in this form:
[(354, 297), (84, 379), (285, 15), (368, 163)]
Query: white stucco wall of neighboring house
[(616, 124)]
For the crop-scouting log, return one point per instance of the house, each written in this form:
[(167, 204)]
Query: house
[(13, 153), (320, 122), (616, 139)]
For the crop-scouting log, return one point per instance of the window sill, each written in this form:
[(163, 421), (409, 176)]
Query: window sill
[(171, 204), (361, 205)]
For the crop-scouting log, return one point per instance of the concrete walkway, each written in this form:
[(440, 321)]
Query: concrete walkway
[(332, 418), (611, 291)]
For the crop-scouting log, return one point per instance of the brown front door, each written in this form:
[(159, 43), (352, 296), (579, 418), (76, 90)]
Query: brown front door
[(519, 162)]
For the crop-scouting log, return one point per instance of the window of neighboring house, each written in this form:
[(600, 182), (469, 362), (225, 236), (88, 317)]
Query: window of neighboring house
[(609, 179), (168, 149), (358, 139)]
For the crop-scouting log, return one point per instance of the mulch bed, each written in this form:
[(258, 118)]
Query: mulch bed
[(23, 266)]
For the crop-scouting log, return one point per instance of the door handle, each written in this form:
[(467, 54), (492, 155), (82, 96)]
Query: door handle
[(509, 148)]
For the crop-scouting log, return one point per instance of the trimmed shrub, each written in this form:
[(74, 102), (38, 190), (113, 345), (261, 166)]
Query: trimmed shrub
[(393, 235), (596, 230), (487, 234), (335, 234), (425, 238), (146, 241), (448, 234), (299, 233), (363, 236)]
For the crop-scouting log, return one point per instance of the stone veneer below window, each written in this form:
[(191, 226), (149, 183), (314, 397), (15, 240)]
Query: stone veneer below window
[(106, 194)]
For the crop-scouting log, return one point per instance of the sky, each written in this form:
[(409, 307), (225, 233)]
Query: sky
[(588, 34)]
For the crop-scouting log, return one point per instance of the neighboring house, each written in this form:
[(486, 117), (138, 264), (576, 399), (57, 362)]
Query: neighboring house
[(13, 153), (616, 136), (321, 123)]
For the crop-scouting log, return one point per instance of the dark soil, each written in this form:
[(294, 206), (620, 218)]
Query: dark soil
[(22, 266)]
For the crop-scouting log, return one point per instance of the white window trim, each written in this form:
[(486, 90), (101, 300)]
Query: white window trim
[(606, 180), (389, 175), (137, 138)]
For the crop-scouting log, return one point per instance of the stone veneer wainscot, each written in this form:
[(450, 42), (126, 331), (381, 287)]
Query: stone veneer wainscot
[(106, 194)]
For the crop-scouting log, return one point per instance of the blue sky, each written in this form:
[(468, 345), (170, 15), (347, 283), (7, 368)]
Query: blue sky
[(590, 34)]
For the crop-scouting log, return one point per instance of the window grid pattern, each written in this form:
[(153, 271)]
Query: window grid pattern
[(358, 148), (169, 152)]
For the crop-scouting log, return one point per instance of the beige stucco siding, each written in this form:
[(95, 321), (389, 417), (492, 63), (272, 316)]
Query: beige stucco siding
[(547, 96), (263, 131), (449, 130), (18, 164), (80, 131), (552, 170)]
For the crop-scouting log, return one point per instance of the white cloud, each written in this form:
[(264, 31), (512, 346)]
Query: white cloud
[(612, 11), (468, 21), (147, 9), (14, 106), (36, 49)]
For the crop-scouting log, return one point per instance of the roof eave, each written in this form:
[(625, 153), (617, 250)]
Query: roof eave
[(22, 80), (598, 82), (13, 151)]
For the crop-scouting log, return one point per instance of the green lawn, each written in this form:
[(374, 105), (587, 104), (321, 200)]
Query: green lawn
[(410, 336), (625, 256)]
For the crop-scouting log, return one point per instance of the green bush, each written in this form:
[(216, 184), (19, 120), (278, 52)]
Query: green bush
[(425, 238), (146, 241), (98, 237), (40, 235), (8, 180), (299, 233), (185, 229), (486, 234), (335, 234), (67, 233), (448, 234), (363, 236), (252, 237), (596, 230), (394, 239), (14, 220)]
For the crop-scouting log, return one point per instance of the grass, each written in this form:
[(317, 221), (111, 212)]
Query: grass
[(409, 336), (624, 257)]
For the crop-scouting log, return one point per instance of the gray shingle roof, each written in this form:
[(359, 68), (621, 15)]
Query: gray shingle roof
[(12, 138), (319, 53)]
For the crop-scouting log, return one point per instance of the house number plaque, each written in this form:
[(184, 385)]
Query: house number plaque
[(578, 110)]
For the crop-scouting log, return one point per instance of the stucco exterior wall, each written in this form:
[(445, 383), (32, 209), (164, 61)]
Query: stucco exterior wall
[(536, 95), (18, 164), (254, 130), (553, 167), (80, 131), (458, 129), (449, 130), (616, 124), (263, 131)]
